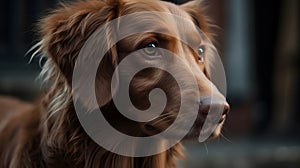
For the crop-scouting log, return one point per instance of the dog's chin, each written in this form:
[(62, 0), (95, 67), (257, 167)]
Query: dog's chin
[(217, 131), (196, 129)]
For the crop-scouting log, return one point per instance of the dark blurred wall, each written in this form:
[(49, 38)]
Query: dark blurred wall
[(277, 64), (267, 16), (18, 22), (286, 70), (17, 34)]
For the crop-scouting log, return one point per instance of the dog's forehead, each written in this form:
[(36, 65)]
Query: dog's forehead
[(173, 20), (186, 27), (175, 9)]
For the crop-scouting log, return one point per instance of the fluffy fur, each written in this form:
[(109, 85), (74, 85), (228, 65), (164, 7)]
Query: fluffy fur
[(50, 135)]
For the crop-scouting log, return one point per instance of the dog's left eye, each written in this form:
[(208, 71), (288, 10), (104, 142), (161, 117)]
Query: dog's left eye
[(151, 49), (201, 52)]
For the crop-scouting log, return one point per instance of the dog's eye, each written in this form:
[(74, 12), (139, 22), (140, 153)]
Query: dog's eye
[(151, 49), (201, 52)]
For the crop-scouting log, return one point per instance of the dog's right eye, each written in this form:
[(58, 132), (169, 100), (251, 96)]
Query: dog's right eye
[(201, 52), (151, 49)]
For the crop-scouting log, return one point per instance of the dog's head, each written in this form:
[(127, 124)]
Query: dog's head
[(65, 31)]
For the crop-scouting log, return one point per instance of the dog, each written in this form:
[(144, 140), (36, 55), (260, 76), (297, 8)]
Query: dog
[(50, 134)]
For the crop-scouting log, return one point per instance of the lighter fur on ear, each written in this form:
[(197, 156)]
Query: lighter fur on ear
[(50, 75), (57, 29)]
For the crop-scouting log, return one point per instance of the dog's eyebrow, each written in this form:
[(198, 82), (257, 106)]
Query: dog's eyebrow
[(190, 36), (151, 36), (162, 31), (193, 39)]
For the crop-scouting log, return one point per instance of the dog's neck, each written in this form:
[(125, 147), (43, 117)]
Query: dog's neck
[(107, 159), (65, 143)]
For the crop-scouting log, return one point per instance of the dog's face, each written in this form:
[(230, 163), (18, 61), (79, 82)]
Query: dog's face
[(73, 26)]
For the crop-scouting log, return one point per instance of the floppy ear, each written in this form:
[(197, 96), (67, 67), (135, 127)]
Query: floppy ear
[(65, 31), (196, 10)]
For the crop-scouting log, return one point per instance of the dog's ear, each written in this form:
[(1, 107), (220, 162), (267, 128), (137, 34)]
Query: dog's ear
[(65, 31), (196, 9)]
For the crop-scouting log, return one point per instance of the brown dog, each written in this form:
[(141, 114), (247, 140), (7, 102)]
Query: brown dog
[(50, 135)]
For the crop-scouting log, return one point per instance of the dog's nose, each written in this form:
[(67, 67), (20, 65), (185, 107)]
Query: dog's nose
[(226, 108), (208, 103)]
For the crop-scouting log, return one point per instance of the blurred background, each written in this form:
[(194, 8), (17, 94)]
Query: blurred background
[(259, 45)]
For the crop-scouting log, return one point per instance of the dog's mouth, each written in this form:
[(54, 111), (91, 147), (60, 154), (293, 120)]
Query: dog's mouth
[(153, 129), (198, 128)]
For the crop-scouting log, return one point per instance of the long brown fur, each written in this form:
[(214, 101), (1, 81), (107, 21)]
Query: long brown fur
[(49, 134)]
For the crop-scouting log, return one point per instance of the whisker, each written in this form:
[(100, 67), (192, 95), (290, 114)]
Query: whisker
[(206, 148), (165, 118), (219, 138), (227, 139)]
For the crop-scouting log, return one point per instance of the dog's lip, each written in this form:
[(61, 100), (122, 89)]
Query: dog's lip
[(196, 126), (223, 118)]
